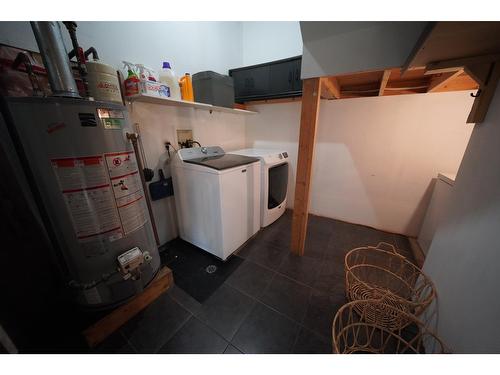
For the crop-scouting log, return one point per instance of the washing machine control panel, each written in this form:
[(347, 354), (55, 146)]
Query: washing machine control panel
[(200, 152)]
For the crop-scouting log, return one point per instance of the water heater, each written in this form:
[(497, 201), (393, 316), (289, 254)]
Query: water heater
[(83, 173)]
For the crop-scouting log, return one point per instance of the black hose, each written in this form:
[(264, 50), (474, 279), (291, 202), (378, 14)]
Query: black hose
[(71, 54), (92, 51)]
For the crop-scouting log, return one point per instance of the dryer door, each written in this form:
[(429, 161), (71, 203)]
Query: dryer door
[(278, 183)]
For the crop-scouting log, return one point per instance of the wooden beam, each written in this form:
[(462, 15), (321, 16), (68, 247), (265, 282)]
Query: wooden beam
[(311, 91), (408, 84), (447, 66), (330, 88), (485, 95), (99, 331), (442, 80), (383, 82)]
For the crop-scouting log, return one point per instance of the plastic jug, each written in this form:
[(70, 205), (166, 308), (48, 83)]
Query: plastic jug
[(168, 78), (132, 82), (187, 88)]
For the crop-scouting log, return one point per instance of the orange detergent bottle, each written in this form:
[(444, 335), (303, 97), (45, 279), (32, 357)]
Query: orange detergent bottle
[(187, 88)]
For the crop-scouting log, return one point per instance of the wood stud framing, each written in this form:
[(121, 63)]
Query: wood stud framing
[(383, 82), (440, 81), (330, 88), (311, 91)]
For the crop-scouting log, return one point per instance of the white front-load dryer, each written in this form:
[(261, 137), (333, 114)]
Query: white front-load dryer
[(274, 182)]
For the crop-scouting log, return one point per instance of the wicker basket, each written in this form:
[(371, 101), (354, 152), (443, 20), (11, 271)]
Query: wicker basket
[(353, 333), (376, 273)]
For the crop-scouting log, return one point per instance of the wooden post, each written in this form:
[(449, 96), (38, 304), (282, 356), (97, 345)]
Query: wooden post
[(311, 91)]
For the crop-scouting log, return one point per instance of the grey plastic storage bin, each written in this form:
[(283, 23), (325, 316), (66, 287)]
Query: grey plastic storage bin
[(213, 88)]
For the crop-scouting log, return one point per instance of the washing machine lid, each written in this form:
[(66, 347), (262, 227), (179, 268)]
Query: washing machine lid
[(268, 157), (258, 152), (221, 162)]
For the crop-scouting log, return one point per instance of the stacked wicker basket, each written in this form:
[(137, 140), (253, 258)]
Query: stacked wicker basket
[(387, 295)]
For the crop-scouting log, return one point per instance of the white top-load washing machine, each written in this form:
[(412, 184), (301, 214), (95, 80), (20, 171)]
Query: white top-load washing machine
[(274, 182), (217, 197)]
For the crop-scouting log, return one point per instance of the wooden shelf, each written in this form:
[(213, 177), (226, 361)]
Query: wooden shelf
[(143, 98)]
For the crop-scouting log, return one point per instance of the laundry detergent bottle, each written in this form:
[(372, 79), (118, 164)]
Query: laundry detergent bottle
[(169, 79), (187, 88)]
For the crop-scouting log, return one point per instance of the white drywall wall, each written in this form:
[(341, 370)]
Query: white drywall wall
[(335, 48), (464, 257), (375, 157), (189, 46), (268, 41), (158, 124)]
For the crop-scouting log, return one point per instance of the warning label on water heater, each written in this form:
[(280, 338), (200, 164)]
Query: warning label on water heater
[(103, 195), (126, 183)]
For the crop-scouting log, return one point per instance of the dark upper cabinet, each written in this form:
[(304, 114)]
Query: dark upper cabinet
[(277, 79), (297, 82)]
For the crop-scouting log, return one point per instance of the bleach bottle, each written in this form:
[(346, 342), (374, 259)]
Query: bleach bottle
[(168, 78)]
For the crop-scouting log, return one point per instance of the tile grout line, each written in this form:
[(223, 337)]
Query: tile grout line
[(243, 319), (214, 331), (300, 325), (128, 342), (175, 332), (279, 273)]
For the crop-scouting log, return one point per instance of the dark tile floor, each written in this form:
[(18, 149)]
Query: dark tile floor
[(274, 302)]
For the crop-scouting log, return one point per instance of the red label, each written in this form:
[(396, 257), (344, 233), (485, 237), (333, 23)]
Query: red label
[(106, 85), (131, 87)]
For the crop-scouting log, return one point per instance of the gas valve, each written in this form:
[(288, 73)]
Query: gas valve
[(129, 263)]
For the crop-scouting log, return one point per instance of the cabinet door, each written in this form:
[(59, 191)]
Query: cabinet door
[(297, 82), (281, 78), (251, 82)]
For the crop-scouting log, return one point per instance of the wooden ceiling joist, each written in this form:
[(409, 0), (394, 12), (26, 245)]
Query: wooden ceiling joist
[(330, 88), (383, 82), (405, 85), (441, 80)]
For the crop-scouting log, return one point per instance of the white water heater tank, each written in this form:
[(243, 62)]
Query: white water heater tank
[(83, 174)]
